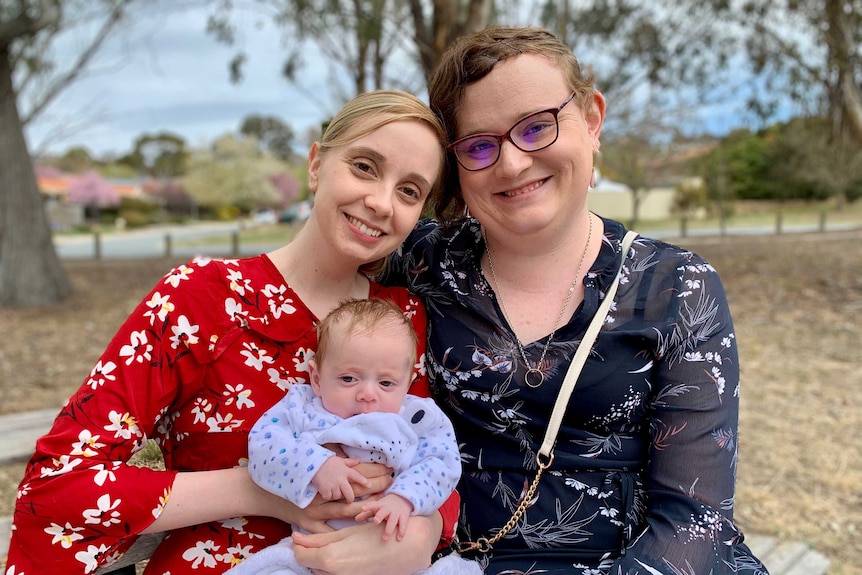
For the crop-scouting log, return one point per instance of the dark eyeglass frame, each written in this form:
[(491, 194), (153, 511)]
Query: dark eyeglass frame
[(508, 136)]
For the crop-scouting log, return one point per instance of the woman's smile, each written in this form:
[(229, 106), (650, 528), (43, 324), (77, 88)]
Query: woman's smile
[(363, 228), (524, 189)]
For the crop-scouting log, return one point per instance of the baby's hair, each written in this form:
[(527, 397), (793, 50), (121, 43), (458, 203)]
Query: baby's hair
[(364, 316)]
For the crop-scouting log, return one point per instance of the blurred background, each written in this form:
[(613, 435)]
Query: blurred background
[(121, 114), (136, 133)]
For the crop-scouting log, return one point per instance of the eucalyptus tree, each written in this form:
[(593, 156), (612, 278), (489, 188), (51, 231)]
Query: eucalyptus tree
[(371, 43), (30, 271), (783, 58), (33, 73)]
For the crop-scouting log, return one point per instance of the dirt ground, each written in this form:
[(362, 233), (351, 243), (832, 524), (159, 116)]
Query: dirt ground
[(797, 304)]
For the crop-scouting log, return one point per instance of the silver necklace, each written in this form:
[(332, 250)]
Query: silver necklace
[(535, 377)]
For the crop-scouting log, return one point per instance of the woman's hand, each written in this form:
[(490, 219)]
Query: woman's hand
[(314, 517), (361, 550)]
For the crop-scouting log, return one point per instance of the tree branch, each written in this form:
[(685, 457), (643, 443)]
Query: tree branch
[(24, 25), (84, 58)]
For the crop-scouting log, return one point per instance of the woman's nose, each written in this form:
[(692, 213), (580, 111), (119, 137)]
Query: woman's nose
[(512, 161), (380, 201)]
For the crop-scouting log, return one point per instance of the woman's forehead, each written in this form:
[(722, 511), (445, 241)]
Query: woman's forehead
[(516, 87)]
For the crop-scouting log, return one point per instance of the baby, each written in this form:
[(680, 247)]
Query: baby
[(357, 400)]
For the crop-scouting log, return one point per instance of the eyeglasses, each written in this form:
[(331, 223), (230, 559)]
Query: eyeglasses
[(530, 134)]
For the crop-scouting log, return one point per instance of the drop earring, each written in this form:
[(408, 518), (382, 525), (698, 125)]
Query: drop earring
[(593, 178)]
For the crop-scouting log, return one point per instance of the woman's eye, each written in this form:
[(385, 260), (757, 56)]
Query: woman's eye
[(536, 130), (412, 192), (363, 166), (481, 147)]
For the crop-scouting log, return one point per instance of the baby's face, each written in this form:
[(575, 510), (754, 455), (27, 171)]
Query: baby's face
[(364, 372)]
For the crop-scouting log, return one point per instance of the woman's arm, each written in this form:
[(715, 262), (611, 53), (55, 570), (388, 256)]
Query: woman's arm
[(694, 407), (361, 550), (203, 496)]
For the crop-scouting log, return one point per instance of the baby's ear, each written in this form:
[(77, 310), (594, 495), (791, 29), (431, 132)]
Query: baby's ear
[(314, 376)]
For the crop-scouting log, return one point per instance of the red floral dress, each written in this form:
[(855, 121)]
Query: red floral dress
[(213, 346)]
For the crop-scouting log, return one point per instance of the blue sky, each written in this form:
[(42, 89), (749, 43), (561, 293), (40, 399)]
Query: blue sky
[(167, 74)]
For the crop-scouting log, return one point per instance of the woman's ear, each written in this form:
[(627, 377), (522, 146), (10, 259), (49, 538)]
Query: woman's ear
[(595, 114), (313, 166)]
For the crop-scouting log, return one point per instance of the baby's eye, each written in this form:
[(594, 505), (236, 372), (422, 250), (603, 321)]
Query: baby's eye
[(387, 383), (347, 378)]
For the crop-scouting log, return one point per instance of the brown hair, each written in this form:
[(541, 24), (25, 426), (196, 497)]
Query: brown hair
[(372, 110), (470, 59), (363, 316)]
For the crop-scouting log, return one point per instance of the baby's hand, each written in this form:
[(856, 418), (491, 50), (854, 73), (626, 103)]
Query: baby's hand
[(333, 479), (393, 509)]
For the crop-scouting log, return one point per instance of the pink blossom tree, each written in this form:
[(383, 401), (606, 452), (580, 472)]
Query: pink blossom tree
[(90, 189), (287, 186)]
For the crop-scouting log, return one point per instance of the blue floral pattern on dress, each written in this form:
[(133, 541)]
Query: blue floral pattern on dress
[(643, 476)]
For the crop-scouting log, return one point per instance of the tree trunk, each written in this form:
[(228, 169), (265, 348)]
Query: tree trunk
[(30, 271), (845, 94), (446, 25)]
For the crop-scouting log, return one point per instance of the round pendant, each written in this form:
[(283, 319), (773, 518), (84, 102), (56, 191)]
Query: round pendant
[(534, 377)]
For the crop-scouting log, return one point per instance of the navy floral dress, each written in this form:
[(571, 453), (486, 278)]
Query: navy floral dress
[(643, 475)]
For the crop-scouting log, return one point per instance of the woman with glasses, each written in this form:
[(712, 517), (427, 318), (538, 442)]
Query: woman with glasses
[(642, 475)]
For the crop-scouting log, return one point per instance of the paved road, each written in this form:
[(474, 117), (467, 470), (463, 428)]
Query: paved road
[(150, 242), (156, 241)]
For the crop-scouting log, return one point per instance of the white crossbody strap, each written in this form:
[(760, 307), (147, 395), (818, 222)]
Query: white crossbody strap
[(581, 355)]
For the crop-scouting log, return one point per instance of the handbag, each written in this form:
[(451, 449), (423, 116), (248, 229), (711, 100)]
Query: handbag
[(545, 456)]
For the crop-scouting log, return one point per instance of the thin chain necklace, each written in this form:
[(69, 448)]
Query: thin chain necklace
[(535, 377)]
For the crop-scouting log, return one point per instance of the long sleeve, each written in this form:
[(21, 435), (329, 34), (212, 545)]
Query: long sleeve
[(77, 486), (693, 411), (283, 453), (434, 472), (642, 480)]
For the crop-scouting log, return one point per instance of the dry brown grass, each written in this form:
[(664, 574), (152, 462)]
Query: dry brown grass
[(797, 303)]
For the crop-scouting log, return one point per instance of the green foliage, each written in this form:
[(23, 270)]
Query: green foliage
[(271, 134), (118, 171), (75, 160), (738, 168), (797, 160), (161, 155), (233, 173), (133, 218), (135, 213), (226, 213), (691, 195)]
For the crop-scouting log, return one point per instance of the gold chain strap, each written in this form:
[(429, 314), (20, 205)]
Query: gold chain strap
[(483, 544)]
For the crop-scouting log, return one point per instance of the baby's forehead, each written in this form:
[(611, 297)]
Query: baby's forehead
[(384, 326)]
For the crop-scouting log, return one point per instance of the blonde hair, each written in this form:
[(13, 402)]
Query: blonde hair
[(363, 316), (372, 110), (470, 59)]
